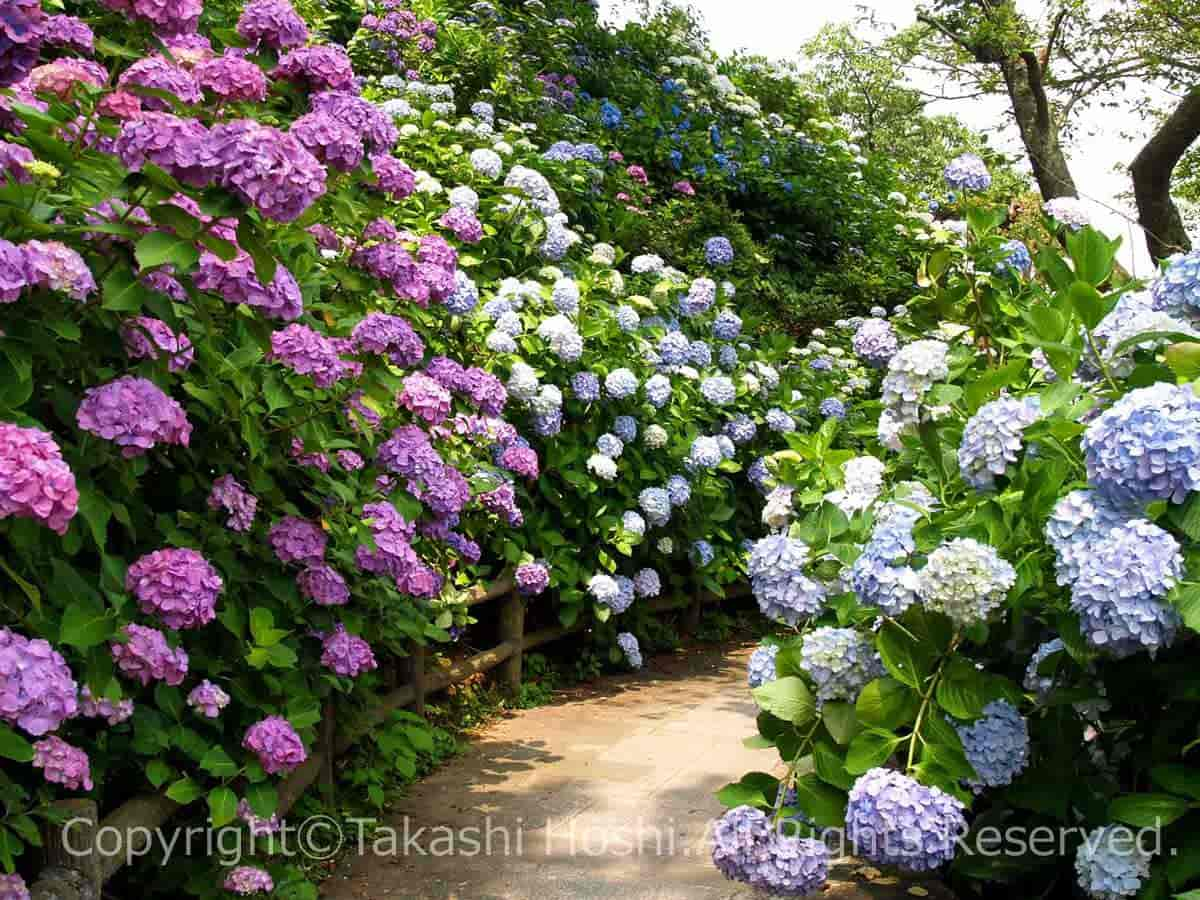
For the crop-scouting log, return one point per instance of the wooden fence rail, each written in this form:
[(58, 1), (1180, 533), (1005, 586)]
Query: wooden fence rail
[(70, 874)]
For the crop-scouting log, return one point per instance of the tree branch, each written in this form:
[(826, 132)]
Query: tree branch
[(1037, 88), (1152, 169)]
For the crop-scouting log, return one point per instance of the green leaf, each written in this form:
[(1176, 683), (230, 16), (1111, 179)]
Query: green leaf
[(886, 703), (841, 721), (122, 291), (96, 512), (14, 747), (222, 806), (1184, 360), (85, 623), (830, 767), (160, 248), (1178, 779), (1093, 255), (907, 659), (34, 595), (217, 762), (870, 749), (1147, 810), (169, 700), (263, 798), (158, 772), (787, 698), (251, 240), (1087, 303), (184, 791), (824, 804)]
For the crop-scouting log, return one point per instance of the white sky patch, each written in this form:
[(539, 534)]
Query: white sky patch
[(1100, 150)]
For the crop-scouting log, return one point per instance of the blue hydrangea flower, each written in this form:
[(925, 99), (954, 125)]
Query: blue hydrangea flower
[(679, 490), (1146, 446), (1038, 684), (1016, 258), (718, 251), (966, 580), (967, 173), (892, 820), (727, 325), (585, 386), (625, 594), (604, 589), (1178, 288), (1122, 580), (656, 504), (1077, 522), (840, 662), (784, 593), (740, 429), (758, 474), (779, 421), (881, 576), (496, 307), (705, 452), (700, 354), (548, 424), (610, 115), (699, 299), (993, 438), (875, 342), (727, 357), (565, 296), (718, 390), (1111, 864), (832, 408), (658, 390), (997, 745), (465, 295), (625, 427), (610, 445), (629, 646), (821, 364), (620, 383), (646, 583), (632, 522), (747, 848), (673, 348), (761, 668), (728, 450), (703, 553), (628, 319)]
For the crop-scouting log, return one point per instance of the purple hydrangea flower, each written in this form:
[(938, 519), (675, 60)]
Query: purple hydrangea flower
[(237, 281), (103, 708), (532, 578), (12, 887), (246, 880), (232, 78), (169, 17), (37, 690), (875, 343), (425, 398), (135, 414), (70, 33), (394, 176), (746, 847), (231, 496), (967, 173), (207, 699), (274, 23), (346, 654), (896, 821), (360, 116), (463, 223), (63, 764), (35, 482), (330, 140), (160, 74), (173, 144), (784, 592), (177, 585), (56, 267), (278, 747), (265, 167), (21, 27), (297, 540), (308, 352), (145, 337), (146, 656), (318, 68), (324, 585)]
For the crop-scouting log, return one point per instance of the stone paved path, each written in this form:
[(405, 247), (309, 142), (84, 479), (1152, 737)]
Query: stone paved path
[(606, 793)]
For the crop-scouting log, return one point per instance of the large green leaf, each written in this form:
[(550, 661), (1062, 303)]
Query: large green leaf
[(886, 703), (787, 698), (222, 806), (85, 623), (871, 749), (1147, 810), (14, 747), (1178, 779)]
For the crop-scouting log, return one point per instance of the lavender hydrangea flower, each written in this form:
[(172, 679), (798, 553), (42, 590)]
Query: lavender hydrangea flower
[(275, 742), (629, 647), (134, 414), (779, 421), (893, 820), (246, 880), (1178, 288), (487, 163), (880, 576), (832, 408), (705, 452), (966, 580), (1146, 446), (1070, 211), (169, 17), (840, 662), (346, 654), (63, 764), (173, 144), (102, 708), (761, 668), (702, 553), (1121, 585), (265, 167), (1035, 682), (656, 504), (297, 540), (207, 699), (259, 827), (620, 383), (718, 390), (746, 847), (35, 481), (160, 74), (718, 251), (324, 585), (646, 583), (658, 390), (993, 438), (783, 591), (145, 656), (875, 342), (56, 267), (149, 338), (237, 282), (1078, 521), (699, 299), (967, 173), (996, 745), (532, 578), (12, 887), (37, 690), (176, 584), (272, 22), (1111, 863), (628, 319)]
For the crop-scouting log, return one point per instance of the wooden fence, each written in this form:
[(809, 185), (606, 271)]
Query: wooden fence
[(72, 875)]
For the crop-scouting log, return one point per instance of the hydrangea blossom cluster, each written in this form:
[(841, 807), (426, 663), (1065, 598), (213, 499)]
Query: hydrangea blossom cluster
[(996, 745), (346, 654), (893, 820), (965, 580), (718, 251), (911, 373), (761, 668), (993, 438), (646, 583), (1070, 211), (875, 343), (247, 880), (840, 662), (746, 847), (228, 494), (135, 414), (62, 763), (179, 586), (1111, 863), (145, 656), (296, 540), (967, 173), (1035, 682), (275, 742), (102, 708), (783, 591), (35, 481), (1078, 521), (532, 578), (629, 647), (1179, 286), (37, 690), (207, 699)]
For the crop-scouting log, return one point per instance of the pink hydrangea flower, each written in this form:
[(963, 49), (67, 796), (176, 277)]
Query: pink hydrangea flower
[(395, 178), (246, 880), (522, 460), (169, 17), (103, 708), (463, 223), (60, 76), (259, 827), (638, 174), (297, 540), (120, 105), (160, 74), (207, 699), (319, 68), (425, 398), (274, 23), (13, 160), (35, 481), (173, 144), (236, 281), (277, 745), (346, 654), (63, 764), (685, 188), (146, 656), (176, 584), (37, 690), (135, 414), (69, 32), (232, 78), (12, 887), (228, 494)]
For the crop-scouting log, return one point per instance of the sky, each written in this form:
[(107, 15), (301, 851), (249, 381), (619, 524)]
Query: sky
[(777, 29)]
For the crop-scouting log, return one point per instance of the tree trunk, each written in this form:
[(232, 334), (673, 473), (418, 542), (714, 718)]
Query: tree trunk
[(1038, 127), (1152, 169)]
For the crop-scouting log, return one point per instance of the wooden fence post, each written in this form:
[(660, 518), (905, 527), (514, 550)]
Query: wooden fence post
[(73, 870), (327, 752), (418, 677), (512, 630)]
